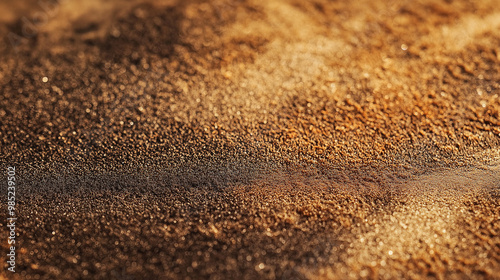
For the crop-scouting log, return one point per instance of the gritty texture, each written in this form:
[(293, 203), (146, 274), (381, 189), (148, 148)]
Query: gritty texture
[(279, 139)]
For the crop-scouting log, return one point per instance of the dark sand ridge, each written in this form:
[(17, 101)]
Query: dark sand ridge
[(281, 139)]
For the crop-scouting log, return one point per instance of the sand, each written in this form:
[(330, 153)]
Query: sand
[(252, 139)]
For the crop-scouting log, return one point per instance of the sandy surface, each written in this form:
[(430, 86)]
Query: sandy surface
[(252, 139)]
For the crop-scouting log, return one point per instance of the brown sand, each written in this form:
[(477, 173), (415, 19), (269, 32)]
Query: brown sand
[(253, 139)]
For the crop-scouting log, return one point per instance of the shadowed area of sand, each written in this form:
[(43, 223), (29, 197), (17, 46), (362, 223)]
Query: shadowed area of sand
[(269, 221)]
